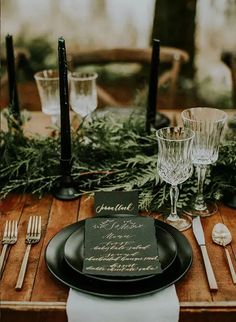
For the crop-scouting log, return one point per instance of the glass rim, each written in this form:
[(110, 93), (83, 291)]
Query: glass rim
[(176, 127), (83, 76), (40, 75), (223, 118)]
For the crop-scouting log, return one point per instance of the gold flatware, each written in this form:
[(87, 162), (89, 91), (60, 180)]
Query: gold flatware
[(222, 236), (33, 236), (9, 238), (200, 238)]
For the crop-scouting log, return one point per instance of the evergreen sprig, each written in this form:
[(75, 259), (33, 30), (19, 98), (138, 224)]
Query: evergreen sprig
[(108, 154)]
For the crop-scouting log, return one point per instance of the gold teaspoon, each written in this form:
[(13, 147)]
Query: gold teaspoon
[(222, 236)]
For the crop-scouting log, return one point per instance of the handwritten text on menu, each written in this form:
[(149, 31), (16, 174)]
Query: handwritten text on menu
[(116, 202), (121, 246)]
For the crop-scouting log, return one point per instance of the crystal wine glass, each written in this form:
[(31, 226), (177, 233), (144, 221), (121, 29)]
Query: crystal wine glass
[(208, 124), (83, 92), (174, 166), (48, 87)]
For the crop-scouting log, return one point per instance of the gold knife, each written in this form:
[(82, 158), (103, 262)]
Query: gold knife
[(199, 235)]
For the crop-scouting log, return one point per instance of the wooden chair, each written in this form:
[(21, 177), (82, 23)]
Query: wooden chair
[(172, 56)]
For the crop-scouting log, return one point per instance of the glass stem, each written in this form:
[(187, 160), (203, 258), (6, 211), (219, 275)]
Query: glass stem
[(174, 195), (201, 174)]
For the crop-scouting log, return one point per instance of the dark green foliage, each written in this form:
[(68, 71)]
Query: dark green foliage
[(108, 154)]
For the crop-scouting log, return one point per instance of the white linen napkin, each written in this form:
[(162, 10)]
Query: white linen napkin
[(161, 306)]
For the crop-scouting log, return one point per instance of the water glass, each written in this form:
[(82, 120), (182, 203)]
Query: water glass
[(83, 92), (174, 166), (48, 87), (208, 124)]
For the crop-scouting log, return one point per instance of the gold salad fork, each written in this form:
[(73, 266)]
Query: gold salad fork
[(33, 236), (9, 238)]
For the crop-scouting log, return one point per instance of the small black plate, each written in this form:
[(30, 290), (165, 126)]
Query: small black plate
[(74, 254), (54, 257)]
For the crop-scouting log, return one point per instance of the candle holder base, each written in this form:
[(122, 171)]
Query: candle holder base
[(66, 189)]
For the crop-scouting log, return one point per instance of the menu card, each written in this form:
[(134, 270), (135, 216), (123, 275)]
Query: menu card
[(116, 202), (121, 246)]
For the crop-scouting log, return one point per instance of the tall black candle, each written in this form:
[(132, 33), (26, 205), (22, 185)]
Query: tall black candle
[(153, 85), (64, 102), (12, 88)]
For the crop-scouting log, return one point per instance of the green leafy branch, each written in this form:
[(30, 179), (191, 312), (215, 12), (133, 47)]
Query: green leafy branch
[(108, 154)]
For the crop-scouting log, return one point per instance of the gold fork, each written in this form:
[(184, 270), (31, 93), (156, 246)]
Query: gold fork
[(9, 238), (33, 236)]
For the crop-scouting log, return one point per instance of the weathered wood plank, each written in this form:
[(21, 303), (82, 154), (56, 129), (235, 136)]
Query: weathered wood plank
[(10, 203), (62, 214), (186, 287), (86, 207)]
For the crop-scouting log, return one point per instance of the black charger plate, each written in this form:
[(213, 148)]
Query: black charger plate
[(54, 257), (74, 254)]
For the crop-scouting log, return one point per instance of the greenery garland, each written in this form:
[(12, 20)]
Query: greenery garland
[(107, 155)]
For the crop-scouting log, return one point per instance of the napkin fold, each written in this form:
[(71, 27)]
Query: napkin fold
[(161, 306)]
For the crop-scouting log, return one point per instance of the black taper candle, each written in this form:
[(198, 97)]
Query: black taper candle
[(64, 102), (66, 189), (12, 87), (153, 85)]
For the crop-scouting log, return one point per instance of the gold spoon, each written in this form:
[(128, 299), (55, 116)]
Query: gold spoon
[(222, 236)]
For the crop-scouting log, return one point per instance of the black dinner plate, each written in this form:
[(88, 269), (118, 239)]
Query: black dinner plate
[(74, 254), (54, 257)]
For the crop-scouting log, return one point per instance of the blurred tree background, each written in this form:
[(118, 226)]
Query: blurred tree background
[(203, 28)]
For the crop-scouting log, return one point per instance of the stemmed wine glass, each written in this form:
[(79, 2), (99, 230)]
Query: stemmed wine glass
[(48, 87), (83, 92), (174, 166), (208, 124)]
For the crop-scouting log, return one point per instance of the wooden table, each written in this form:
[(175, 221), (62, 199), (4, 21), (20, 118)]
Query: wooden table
[(44, 299)]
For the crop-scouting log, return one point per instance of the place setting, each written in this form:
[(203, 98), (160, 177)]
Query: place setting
[(68, 254)]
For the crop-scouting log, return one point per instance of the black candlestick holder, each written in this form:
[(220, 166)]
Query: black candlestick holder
[(66, 188)]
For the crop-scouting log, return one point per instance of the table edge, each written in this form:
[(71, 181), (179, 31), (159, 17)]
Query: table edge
[(62, 305)]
